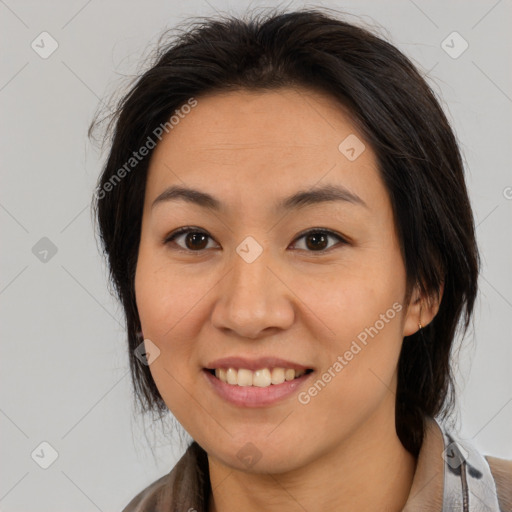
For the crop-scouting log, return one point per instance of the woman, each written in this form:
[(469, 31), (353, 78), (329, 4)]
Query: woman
[(288, 228)]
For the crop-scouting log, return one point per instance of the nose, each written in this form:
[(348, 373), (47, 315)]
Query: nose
[(254, 298)]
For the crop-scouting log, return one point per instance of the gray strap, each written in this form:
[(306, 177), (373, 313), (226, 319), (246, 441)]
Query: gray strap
[(468, 482)]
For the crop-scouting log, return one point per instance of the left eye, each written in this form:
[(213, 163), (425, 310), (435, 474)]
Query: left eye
[(316, 240)]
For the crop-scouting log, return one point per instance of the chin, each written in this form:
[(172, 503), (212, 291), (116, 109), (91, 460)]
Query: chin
[(260, 454), (249, 460)]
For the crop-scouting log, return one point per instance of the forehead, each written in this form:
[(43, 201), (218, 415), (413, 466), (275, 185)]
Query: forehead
[(244, 145), (297, 119)]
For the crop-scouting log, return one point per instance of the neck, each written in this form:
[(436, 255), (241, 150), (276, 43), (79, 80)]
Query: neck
[(371, 471)]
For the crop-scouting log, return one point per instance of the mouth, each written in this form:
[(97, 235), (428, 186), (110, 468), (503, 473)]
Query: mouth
[(255, 382), (249, 383), (261, 378)]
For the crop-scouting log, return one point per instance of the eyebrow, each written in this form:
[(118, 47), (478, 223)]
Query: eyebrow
[(300, 199)]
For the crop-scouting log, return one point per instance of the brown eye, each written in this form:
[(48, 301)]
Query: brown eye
[(194, 240), (317, 240)]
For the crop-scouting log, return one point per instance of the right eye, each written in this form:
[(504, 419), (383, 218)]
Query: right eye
[(194, 239)]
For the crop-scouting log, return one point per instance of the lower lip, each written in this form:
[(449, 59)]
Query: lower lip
[(253, 396)]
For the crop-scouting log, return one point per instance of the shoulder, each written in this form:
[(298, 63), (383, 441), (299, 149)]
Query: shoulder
[(185, 487), (149, 498), (501, 470), (466, 473)]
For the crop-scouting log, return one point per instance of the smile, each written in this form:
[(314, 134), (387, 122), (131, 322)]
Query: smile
[(261, 378), (254, 395)]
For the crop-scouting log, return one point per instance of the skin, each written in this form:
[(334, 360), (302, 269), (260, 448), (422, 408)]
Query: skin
[(340, 451)]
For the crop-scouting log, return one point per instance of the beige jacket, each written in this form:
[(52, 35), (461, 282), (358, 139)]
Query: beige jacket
[(450, 476)]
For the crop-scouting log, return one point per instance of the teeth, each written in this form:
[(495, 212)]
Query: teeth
[(244, 377), (277, 375), (231, 375), (260, 378), (289, 374)]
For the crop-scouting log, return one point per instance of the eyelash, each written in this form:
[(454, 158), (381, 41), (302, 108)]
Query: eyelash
[(189, 229)]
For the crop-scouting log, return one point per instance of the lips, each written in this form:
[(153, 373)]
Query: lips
[(254, 364), (253, 396), (223, 377)]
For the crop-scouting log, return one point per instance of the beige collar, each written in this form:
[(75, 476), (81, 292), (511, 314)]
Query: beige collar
[(426, 492)]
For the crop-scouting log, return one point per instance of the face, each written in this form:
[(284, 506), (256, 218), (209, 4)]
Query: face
[(316, 284)]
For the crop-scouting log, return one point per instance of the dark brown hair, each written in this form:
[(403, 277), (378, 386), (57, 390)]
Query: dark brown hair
[(397, 113)]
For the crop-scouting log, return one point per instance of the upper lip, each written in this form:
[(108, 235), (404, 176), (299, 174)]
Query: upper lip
[(254, 364)]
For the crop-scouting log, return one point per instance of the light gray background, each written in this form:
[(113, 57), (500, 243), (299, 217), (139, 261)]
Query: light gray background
[(64, 363)]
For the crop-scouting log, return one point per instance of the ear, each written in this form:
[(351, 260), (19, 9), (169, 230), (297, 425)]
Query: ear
[(421, 310)]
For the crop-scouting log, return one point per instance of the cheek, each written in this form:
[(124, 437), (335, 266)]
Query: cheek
[(366, 334), (170, 304), (167, 319), (359, 362), (352, 297), (166, 297), (361, 307)]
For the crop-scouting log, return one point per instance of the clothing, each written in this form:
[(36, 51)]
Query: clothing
[(450, 476)]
